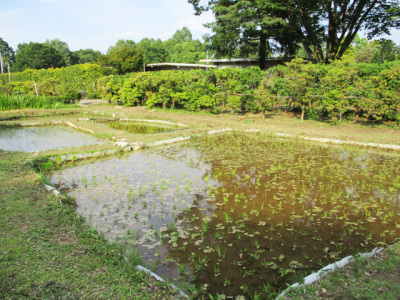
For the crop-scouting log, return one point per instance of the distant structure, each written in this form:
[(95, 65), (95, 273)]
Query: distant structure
[(245, 62), (177, 66), (217, 64)]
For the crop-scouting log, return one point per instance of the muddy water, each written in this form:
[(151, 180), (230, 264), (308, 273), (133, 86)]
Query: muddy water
[(240, 214), (31, 139)]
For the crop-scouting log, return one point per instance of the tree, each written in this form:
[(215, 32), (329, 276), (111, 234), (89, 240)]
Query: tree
[(386, 51), (7, 53), (181, 48), (84, 56), (124, 57), (187, 52), (62, 48), (154, 51), (183, 35), (37, 56), (249, 28), (367, 53), (121, 44), (300, 79), (316, 24)]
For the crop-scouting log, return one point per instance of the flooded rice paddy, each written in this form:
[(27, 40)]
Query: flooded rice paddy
[(241, 214), (138, 127), (31, 139)]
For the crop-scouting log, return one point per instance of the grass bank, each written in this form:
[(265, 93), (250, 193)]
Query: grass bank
[(365, 278), (47, 251)]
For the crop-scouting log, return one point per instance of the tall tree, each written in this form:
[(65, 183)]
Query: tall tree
[(7, 52), (386, 51), (62, 48), (122, 58), (182, 35), (120, 44), (181, 48), (325, 28), (190, 52), (154, 51), (84, 56), (37, 56)]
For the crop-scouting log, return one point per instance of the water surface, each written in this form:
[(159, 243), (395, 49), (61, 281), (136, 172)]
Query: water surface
[(241, 214), (31, 139)]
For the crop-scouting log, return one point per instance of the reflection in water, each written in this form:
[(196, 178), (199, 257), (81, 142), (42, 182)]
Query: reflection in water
[(31, 139), (235, 214)]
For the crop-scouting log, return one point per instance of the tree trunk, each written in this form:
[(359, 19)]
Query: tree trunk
[(262, 51), (303, 108)]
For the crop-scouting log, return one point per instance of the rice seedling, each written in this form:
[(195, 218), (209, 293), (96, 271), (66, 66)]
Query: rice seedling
[(268, 198)]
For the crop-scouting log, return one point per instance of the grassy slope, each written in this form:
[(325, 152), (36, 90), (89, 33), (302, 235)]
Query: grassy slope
[(46, 251)]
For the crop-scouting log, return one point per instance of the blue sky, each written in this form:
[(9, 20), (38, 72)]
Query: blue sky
[(98, 24)]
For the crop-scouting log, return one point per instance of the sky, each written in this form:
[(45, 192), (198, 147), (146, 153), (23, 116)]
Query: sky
[(96, 24), (99, 24)]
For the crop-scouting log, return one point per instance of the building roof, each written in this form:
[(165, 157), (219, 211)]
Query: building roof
[(178, 65), (223, 60)]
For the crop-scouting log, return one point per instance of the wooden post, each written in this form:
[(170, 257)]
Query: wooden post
[(36, 89), (1, 62), (9, 76), (207, 60)]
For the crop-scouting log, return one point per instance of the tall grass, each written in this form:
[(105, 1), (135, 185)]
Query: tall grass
[(10, 102)]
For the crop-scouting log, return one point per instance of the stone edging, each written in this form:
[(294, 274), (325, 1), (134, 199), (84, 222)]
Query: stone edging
[(328, 269), (154, 121), (95, 112), (340, 142), (158, 278), (125, 146), (67, 123)]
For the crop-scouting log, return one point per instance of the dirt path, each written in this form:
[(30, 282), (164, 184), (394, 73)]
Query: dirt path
[(88, 102)]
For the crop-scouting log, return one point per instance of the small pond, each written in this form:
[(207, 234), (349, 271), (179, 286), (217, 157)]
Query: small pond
[(139, 127), (240, 214), (31, 139)]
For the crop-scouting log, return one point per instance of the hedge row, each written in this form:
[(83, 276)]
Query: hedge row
[(343, 88), (54, 82)]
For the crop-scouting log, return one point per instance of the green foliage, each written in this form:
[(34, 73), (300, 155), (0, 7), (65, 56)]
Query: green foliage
[(343, 88), (11, 102), (154, 51), (7, 52), (37, 56), (122, 58), (110, 86), (213, 90), (84, 56), (62, 48), (73, 95), (54, 81), (261, 26), (331, 91)]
